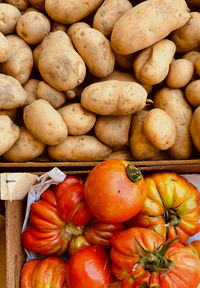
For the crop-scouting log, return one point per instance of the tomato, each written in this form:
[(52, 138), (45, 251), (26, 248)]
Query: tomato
[(48, 233), (195, 247), (115, 191), (100, 233), (89, 268), (171, 208), (76, 244), (49, 272), (71, 205), (141, 259)]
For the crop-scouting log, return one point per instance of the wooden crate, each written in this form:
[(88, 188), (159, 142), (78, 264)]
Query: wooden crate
[(15, 256)]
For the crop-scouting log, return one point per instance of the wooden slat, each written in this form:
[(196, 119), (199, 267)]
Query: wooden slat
[(89, 164), (14, 253)]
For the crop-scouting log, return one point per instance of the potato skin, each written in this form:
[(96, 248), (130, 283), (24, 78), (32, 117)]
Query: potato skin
[(195, 128), (197, 65), (78, 120), (20, 62), (31, 88), (180, 73), (94, 48), (58, 27), (59, 64), (173, 102), (160, 129), (4, 48), (108, 13), (191, 56), (9, 133), (11, 113), (12, 93), (79, 148), (141, 147), (39, 4), (54, 97), (9, 16), (114, 97), (19, 4), (188, 37), (192, 93), (33, 27), (45, 123), (156, 19), (113, 130), (68, 12), (151, 66), (26, 148)]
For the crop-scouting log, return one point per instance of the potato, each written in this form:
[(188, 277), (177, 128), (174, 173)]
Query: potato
[(123, 154), (68, 12), (113, 130), (188, 37), (59, 64), (147, 23), (39, 4), (54, 97), (26, 148), (197, 65), (151, 66), (20, 62), (19, 4), (94, 48), (79, 148), (31, 88), (160, 129), (180, 73), (109, 12), (11, 113), (124, 62), (12, 93), (194, 3), (36, 55), (78, 120), (114, 97), (9, 133), (191, 56), (4, 48), (195, 128), (192, 93), (58, 27), (123, 76), (45, 123), (173, 102), (9, 15), (33, 27), (75, 92), (141, 147)]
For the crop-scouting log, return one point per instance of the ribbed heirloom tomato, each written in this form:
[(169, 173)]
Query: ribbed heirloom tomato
[(115, 191), (56, 218), (195, 247), (89, 268), (142, 260), (171, 208), (49, 272)]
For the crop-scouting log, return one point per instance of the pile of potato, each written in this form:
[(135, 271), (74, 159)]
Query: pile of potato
[(93, 80)]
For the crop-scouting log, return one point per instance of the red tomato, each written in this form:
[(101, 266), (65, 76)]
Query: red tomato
[(171, 208), (56, 218), (100, 233), (49, 272), (76, 244), (115, 191), (141, 259), (89, 268), (195, 247)]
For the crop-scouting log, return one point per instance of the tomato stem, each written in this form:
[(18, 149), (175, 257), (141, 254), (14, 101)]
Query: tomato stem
[(133, 173), (156, 260)]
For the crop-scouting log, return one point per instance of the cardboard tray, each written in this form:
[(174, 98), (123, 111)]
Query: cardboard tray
[(14, 212)]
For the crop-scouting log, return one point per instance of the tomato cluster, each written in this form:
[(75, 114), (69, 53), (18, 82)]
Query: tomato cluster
[(117, 229)]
